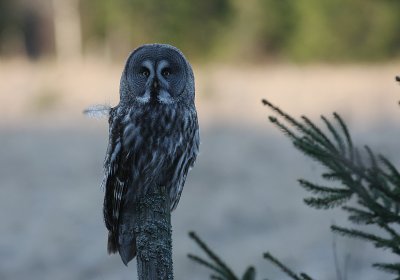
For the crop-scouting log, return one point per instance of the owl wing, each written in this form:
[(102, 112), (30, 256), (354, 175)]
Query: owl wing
[(186, 161), (119, 178), (114, 181)]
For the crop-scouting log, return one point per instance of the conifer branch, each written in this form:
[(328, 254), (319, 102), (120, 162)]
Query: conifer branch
[(206, 264), (249, 274), (318, 189), (375, 183), (359, 216), (319, 134), (398, 80), (392, 268), (379, 241), (215, 277), (305, 276), (346, 133), (285, 269), (335, 135), (218, 266)]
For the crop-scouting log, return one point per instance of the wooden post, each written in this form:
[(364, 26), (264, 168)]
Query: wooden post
[(154, 236)]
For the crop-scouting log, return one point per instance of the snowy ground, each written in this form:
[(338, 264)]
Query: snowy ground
[(241, 198)]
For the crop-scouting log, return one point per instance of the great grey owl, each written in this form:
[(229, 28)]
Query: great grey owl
[(153, 138)]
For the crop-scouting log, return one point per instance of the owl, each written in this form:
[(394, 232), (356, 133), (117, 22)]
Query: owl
[(153, 138)]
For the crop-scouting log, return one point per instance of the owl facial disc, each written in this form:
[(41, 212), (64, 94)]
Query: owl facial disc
[(157, 85), (156, 74)]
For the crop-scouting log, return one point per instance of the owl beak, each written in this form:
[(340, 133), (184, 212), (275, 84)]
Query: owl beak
[(155, 85)]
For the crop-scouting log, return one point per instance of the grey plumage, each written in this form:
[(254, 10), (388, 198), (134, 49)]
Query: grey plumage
[(153, 138), (97, 111)]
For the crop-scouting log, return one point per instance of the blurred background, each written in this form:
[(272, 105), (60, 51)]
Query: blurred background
[(307, 56)]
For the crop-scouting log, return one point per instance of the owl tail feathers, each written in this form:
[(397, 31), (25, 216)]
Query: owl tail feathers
[(127, 253), (111, 244), (127, 246)]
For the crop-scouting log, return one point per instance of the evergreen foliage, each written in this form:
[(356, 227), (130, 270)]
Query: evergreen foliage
[(369, 179), (220, 270)]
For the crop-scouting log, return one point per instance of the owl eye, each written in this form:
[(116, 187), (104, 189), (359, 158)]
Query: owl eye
[(145, 72), (166, 72)]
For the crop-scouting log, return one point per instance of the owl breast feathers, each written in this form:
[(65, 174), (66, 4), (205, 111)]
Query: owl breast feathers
[(153, 139)]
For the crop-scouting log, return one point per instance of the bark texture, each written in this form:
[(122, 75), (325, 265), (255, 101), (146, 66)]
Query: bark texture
[(154, 236)]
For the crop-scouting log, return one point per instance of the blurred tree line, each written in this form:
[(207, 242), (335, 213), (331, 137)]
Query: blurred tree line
[(295, 30)]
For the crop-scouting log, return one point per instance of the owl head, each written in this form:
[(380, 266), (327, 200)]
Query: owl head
[(157, 73)]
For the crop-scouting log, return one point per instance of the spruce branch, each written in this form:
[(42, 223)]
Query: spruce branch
[(216, 277), (217, 265), (360, 216), (398, 80), (282, 127), (346, 133), (366, 181), (318, 189), (249, 274), (319, 134), (330, 201), (285, 269), (392, 267), (305, 276), (335, 135), (206, 264), (379, 241), (374, 183)]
